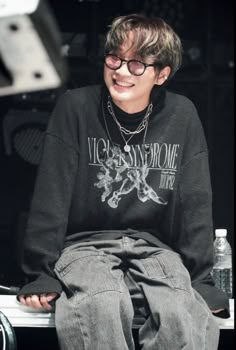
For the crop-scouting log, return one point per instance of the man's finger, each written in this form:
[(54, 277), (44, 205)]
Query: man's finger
[(33, 301), (44, 302), (51, 296), (22, 300)]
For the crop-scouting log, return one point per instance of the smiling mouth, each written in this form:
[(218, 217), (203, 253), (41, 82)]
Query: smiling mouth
[(123, 83)]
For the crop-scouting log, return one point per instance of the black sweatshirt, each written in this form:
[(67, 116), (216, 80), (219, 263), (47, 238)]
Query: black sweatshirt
[(88, 188)]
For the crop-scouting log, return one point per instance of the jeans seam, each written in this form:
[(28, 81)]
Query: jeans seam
[(84, 343), (207, 327), (62, 266), (93, 294), (183, 289)]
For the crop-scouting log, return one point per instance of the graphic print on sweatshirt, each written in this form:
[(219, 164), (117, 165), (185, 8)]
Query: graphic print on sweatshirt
[(121, 173)]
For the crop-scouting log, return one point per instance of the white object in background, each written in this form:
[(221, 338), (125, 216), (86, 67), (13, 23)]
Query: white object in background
[(23, 316)]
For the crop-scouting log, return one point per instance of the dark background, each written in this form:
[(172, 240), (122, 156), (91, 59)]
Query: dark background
[(206, 28)]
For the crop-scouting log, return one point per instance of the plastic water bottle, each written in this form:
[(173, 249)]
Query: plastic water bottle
[(222, 270)]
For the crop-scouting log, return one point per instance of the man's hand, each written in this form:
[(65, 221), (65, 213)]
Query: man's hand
[(38, 301), (216, 311)]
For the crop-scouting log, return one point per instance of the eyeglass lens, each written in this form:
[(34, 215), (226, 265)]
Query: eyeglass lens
[(134, 67)]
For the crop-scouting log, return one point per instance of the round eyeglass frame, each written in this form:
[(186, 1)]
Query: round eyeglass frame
[(145, 65)]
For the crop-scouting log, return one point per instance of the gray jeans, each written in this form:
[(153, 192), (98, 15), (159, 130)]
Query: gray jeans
[(105, 281)]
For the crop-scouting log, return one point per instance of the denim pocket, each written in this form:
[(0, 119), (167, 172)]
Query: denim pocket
[(87, 272), (66, 261), (167, 267)]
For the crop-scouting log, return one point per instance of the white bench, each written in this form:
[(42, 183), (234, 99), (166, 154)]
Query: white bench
[(22, 316)]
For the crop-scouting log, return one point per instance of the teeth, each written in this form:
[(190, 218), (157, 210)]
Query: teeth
[(122, 83)]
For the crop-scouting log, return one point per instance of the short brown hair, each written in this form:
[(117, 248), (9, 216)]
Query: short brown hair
[(153, 38)]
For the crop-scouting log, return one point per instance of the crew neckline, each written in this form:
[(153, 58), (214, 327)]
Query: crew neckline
[(157, 98)]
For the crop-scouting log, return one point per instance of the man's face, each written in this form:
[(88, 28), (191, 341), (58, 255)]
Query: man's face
[(131, 93)]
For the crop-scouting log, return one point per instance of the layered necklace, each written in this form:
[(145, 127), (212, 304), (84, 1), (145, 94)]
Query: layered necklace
[(143, 125)]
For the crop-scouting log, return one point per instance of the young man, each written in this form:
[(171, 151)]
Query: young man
[(121, 217)]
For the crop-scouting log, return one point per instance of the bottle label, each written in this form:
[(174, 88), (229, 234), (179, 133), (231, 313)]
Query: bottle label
[(223, 280)]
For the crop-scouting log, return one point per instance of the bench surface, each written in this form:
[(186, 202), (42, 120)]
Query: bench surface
[(22, 316)]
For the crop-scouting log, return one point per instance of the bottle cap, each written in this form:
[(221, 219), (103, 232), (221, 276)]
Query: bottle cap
[(221, 232)]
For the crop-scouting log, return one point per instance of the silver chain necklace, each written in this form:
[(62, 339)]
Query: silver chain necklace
[(126, 146), (125, 131)]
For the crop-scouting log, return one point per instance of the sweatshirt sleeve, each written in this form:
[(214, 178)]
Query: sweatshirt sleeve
[(193, 218), (47, 223), (195, 243)]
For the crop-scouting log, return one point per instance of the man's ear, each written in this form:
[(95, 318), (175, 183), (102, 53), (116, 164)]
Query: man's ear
[(163, 75)]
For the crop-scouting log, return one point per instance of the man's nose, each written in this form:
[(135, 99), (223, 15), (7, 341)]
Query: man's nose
[(123, 68)]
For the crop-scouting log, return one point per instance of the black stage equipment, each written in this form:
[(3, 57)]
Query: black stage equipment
[(31, 57)]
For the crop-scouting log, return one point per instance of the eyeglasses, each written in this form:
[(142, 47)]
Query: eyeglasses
[(135, 67)]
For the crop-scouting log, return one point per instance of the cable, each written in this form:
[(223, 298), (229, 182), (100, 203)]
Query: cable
[(3, 337)]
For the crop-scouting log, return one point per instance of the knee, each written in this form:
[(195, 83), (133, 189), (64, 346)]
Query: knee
[(101, 306), (108, 305)]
